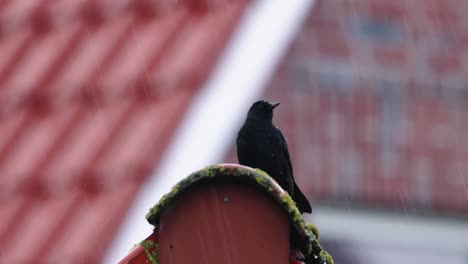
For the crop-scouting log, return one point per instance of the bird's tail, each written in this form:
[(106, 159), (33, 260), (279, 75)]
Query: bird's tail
[(301, 201)]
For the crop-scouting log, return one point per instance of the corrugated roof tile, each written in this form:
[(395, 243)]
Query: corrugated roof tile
[(10, 45), (19, 10), (15, 46), (35, 64), (146, 43), (10, 211), (83, 145), (89, 218), (134, 144), (90, 58), (38, 227), (90, 93), (23, 157), (8, 127)]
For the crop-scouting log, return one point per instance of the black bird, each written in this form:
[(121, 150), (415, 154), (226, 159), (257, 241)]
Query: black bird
[(260, 144)]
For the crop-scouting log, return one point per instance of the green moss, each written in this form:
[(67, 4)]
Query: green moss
[(259, 171), (326, 257), (261, 180), (155, 252), (151, 250), (304, 236), (175, 189), (313, 229)]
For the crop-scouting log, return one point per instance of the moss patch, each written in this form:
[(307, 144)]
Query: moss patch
[(151, 250)]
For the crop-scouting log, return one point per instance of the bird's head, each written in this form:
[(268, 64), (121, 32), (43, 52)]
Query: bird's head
[(262, 110)]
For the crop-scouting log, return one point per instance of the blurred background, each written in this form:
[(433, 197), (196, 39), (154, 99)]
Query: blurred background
[(104, 105)]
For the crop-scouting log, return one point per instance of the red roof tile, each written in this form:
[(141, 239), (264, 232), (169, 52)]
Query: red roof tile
[(90, 93)]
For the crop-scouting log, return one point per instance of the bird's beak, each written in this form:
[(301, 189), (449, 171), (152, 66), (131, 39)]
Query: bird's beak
[(273, 105)]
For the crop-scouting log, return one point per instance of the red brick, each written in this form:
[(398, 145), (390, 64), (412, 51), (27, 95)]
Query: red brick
[(445, 18), (444, 6), (389, 9), (330, 9), (299, 48), (391, 57), (321, 23), (462, 40), (333, 45), (445, 64)]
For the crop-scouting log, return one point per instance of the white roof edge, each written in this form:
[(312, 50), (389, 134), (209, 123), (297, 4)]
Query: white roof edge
[(208, 129)]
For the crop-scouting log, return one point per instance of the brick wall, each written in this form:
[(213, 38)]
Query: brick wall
[(375, 102)]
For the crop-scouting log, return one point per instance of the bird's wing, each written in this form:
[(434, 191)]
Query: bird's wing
[(241, 145), (300, 199), (285, 152)]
